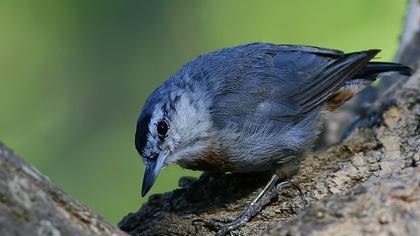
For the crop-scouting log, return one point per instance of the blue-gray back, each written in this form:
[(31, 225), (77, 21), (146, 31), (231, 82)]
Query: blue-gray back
[(257, 81)]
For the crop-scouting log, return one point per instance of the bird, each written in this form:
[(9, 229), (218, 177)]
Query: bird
[(256, 107)]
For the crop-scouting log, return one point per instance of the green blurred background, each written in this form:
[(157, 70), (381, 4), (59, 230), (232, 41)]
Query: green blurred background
[(74, 74)]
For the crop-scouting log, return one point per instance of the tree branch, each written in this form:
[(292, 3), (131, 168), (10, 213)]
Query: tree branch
[(31, 205)]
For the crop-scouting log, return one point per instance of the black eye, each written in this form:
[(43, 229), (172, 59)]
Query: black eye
[(162, 128)]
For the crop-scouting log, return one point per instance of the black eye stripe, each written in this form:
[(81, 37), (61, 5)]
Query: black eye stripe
[(162, 128), (142, 132)]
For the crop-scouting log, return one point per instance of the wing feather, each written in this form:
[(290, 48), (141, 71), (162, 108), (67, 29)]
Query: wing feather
[(326, 83)]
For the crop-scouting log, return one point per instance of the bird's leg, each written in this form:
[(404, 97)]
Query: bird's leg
[(271, 190)]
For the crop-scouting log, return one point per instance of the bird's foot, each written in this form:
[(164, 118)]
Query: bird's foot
[(270, 191), (225, 225), (222, 225)]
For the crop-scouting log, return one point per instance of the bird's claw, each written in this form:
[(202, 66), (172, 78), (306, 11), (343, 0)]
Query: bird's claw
[(222, 226), (226, 225), (214, 223)]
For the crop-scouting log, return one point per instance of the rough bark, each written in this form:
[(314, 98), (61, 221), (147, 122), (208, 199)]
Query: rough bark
[(368, 185), (31, 205)]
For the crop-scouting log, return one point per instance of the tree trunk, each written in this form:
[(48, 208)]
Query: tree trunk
[(31, 205), (369, 184)]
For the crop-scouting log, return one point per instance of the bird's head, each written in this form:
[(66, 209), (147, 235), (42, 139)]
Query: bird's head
[(173, 125)]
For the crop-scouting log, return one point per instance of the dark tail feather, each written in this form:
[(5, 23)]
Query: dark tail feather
[(375, 68)]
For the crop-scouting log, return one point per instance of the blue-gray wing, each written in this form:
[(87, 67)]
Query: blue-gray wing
[(279, 82)]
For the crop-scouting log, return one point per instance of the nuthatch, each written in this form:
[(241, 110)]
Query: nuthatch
[(249, 108)]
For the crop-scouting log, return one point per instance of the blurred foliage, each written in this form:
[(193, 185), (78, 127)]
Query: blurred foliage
[(75, 74)]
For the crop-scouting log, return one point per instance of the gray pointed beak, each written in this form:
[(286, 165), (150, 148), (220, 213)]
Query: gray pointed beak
[(149, 177), (151, 173)]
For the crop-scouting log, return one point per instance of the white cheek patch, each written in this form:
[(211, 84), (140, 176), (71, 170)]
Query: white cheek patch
[(189, 126), (188, 134)]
